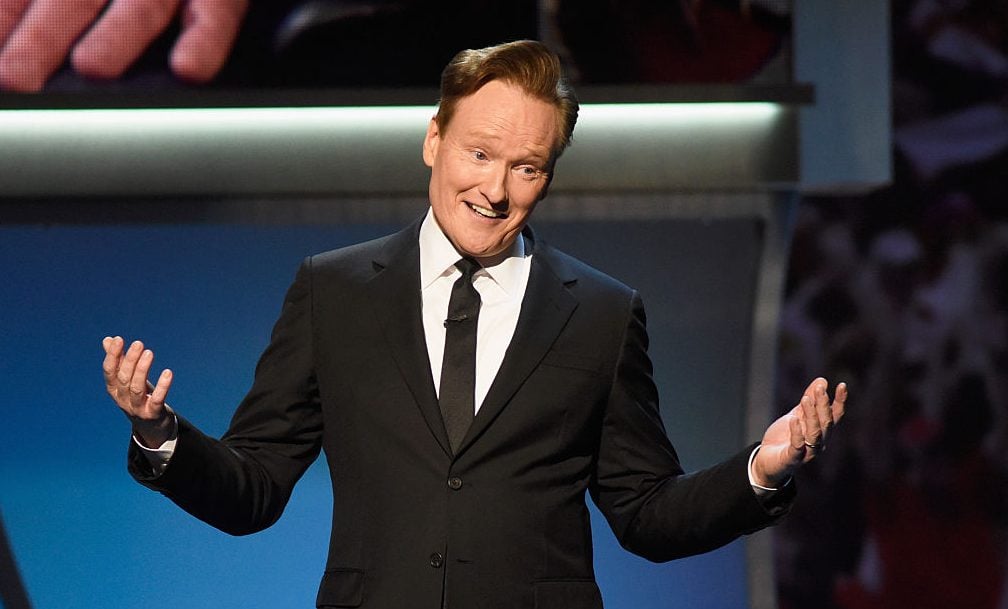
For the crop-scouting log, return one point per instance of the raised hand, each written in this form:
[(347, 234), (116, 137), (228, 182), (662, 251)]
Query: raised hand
[(36, 36), (800, 435), (143, 403)]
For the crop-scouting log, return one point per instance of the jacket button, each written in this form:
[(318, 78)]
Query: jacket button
[(454, 483), (436, 560)]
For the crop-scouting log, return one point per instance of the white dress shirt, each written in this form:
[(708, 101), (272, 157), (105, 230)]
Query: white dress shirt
[(501, 288)]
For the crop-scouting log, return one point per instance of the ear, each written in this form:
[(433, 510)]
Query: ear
[(431, 143)]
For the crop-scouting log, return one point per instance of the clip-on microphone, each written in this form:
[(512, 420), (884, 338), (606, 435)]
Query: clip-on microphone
[(456, 318)]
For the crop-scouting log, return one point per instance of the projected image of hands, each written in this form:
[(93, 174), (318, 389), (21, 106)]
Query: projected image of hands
[(157, 45), (101, 40)]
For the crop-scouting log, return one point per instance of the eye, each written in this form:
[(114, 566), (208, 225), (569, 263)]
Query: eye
[(529, 172), (479, 155)]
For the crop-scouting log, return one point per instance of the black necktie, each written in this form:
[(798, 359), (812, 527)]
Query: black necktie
[(458, 368)]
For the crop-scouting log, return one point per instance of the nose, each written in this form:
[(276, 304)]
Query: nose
[(494, 186)]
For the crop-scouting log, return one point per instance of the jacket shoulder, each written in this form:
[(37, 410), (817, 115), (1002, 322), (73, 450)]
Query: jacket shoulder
[(582, 277), (358, 261)]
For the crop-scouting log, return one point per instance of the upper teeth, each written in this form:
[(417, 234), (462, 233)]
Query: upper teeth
[(488, 213)]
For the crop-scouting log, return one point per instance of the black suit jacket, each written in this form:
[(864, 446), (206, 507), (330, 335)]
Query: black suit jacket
[(502, 523)]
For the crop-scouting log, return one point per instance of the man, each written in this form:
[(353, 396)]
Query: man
[(468, 384)]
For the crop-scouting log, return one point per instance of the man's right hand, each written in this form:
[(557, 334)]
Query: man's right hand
[(143, 403)]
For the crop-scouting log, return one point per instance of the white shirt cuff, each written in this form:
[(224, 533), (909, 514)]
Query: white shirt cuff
[(160, 456), (761, 491)]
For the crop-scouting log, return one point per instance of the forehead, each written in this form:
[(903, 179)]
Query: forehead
[(501, 111)]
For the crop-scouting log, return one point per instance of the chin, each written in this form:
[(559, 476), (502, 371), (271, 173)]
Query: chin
[(479, 252), (480, 248)]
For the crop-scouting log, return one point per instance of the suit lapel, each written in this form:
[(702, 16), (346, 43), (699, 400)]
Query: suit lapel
[(545, 309), (395, 294)]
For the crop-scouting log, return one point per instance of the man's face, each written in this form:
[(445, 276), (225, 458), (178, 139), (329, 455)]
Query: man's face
[(490, 166)]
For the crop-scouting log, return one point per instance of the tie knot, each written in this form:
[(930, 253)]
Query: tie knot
[(468, 266)]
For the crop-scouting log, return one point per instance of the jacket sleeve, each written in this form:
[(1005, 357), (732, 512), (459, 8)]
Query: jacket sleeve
[(241, 483), (655, 509)]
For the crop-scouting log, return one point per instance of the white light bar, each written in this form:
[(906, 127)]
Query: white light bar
[(650, 114), (321, 150), (13, 123)]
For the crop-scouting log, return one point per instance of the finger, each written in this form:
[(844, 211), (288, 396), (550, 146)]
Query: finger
[(113, 349), (798, 447), (800, 416), (128, 364), (122, 34), (209, 29), (10, 15), (822, 408), (813, 432), (840, 402), (110, 365), (39, 43), (810, 390), (138, 384), (159, 393)]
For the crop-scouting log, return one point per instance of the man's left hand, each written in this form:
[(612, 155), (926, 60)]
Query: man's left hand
[(800, 435)]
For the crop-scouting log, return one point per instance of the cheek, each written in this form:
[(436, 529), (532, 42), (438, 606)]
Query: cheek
[(445, 186), (457, 172), (525, 201)]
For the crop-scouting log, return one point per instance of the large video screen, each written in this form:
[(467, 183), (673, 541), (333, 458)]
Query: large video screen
[(171, 45)]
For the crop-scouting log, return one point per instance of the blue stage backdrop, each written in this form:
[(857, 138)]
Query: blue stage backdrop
[(205, 298)]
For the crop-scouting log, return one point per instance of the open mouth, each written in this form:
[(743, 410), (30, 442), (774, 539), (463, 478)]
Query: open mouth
[(486, 212)]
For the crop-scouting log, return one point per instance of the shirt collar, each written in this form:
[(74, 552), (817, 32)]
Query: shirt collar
[(438, 257)]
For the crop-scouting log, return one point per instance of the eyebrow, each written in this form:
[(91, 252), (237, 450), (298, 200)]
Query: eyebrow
[(530, 153)]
